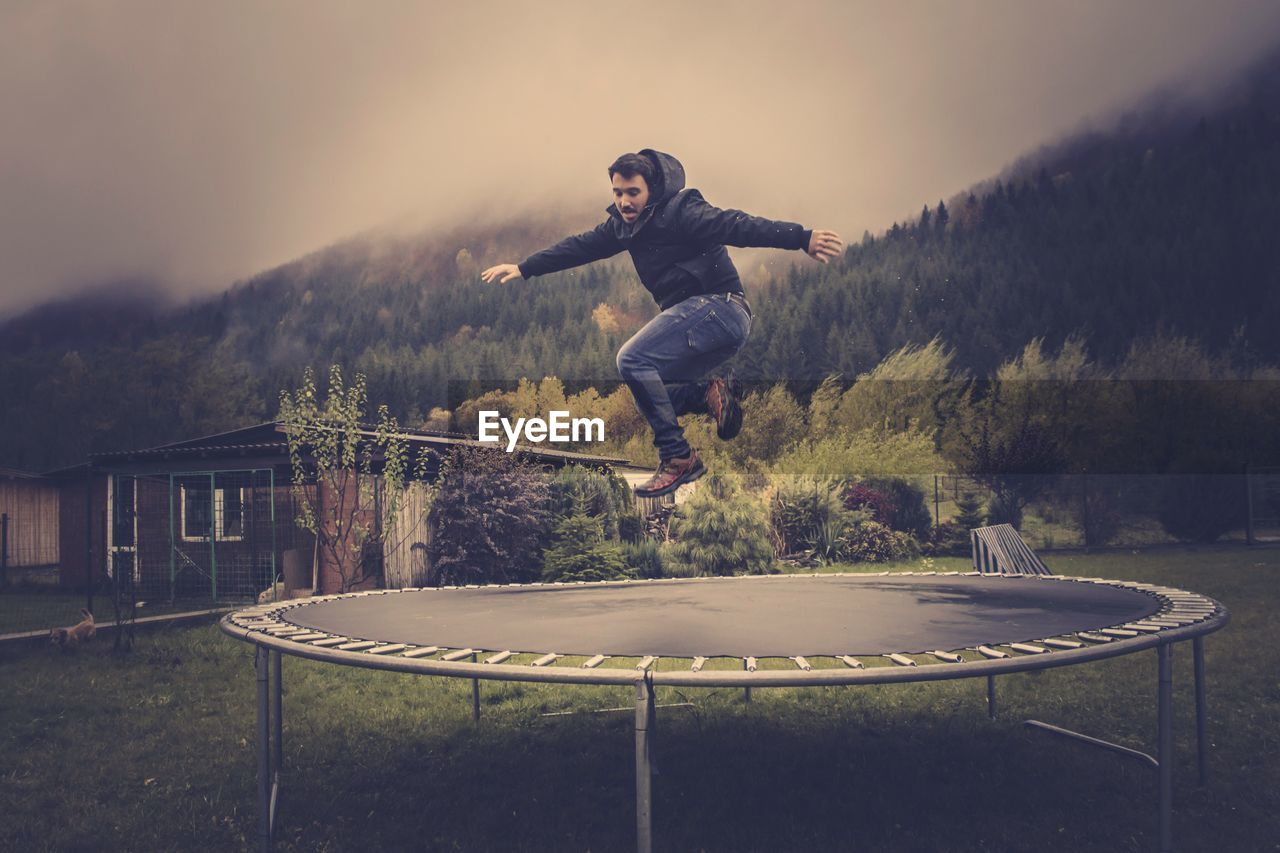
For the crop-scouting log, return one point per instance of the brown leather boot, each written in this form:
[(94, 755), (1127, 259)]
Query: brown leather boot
[(722, 404), (671, 475)]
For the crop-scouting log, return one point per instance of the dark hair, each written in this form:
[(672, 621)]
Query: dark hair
[(630, 165)]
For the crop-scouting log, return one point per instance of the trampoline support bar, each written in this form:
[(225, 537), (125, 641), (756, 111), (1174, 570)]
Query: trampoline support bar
[(267, 663), (475, 695), (1162, 762), (645, 719), (1202, 735)]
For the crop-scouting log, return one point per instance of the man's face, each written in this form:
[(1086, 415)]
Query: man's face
[(630, 195)]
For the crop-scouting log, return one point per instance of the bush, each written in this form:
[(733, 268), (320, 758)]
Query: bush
[(948, 540), (644, 558), (1201, 507), (1004, 509), (799, 509), (867, 497), (719, 531), (606, 496), (487, 519), (969, 512), (580, 553), (904, 504), (873, 542)]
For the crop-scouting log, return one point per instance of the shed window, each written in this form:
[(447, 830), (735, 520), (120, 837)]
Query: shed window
[(224, 513)]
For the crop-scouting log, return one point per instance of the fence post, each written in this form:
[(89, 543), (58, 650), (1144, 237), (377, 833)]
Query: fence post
[(1248, 500), (937, 518), (1084, 507), (88, 537), (4, 549)]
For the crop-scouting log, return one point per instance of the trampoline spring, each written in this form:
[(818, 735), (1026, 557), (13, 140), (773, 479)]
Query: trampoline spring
[(388, 649), (1118, 632), (306, 638), (1062, 644), (594, 662), (947, 657), (646, 662), (499, 657), (458, 655), (421, 652), (994, 654), (698, 663), (545, 659), (750, 664), (331, 641), (802, 663), (1144, 627), (851, 662), (1028, 649), (1092, 637), (357, 646), (901, 660)]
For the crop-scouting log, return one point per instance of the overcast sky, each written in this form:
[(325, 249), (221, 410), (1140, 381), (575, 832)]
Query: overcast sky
[(197, 143)]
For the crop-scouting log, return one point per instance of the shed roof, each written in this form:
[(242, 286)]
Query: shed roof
[(269, 439)]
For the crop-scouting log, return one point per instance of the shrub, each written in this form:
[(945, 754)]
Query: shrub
[(969, 512), (904, 505), (487, 519), (948, 540), (580, 553), (873, 542), (1004, 509), (798, 509), (1201, 507), (602, 495), (1100, 517), (644, 558), (878, 503), (719, 531)]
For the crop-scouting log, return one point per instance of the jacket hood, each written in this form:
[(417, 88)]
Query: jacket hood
[(671, 178), (671, 172)]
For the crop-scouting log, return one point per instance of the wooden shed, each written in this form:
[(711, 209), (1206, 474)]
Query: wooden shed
[(28, 527), (213, 517)]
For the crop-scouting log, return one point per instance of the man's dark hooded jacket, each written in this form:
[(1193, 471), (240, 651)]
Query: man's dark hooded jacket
[(677, 243)]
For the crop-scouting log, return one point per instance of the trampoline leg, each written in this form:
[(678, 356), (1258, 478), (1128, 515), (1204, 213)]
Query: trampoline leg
[(1202, 716), (644, 767), (260, 666), (1165, 754), (277, 716), (475, 695), (746, 691), (991, 697)]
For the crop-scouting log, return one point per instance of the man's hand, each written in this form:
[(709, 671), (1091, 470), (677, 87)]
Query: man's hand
[(507, 271), (825, 245)]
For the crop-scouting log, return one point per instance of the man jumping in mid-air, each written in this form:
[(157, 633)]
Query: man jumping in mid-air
[(676, 240)]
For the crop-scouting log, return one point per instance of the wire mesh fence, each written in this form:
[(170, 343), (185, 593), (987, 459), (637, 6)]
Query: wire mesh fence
[(1112, 510), (154, 544)]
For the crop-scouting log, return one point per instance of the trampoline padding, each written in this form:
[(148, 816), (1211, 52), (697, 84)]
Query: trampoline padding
[(739, 617)]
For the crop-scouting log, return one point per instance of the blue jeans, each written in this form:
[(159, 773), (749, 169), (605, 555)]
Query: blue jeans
[(663, 363)]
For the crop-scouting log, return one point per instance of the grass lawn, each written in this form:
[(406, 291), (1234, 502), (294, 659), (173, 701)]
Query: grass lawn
[(153, 750)]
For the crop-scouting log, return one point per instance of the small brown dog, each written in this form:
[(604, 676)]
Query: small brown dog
[(75, 635)]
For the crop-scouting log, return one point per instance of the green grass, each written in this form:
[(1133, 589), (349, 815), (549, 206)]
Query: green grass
[(153, 750)]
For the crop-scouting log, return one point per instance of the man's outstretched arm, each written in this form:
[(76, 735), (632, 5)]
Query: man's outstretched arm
[(707, 223), (593, 245)]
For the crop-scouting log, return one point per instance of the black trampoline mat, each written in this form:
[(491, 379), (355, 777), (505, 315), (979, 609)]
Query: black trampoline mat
[(780, 616)]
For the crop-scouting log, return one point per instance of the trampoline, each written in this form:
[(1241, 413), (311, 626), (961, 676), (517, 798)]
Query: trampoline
[(778, 631)]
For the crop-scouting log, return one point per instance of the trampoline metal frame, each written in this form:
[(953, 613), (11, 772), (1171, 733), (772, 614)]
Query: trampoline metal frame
[(271, 638)]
